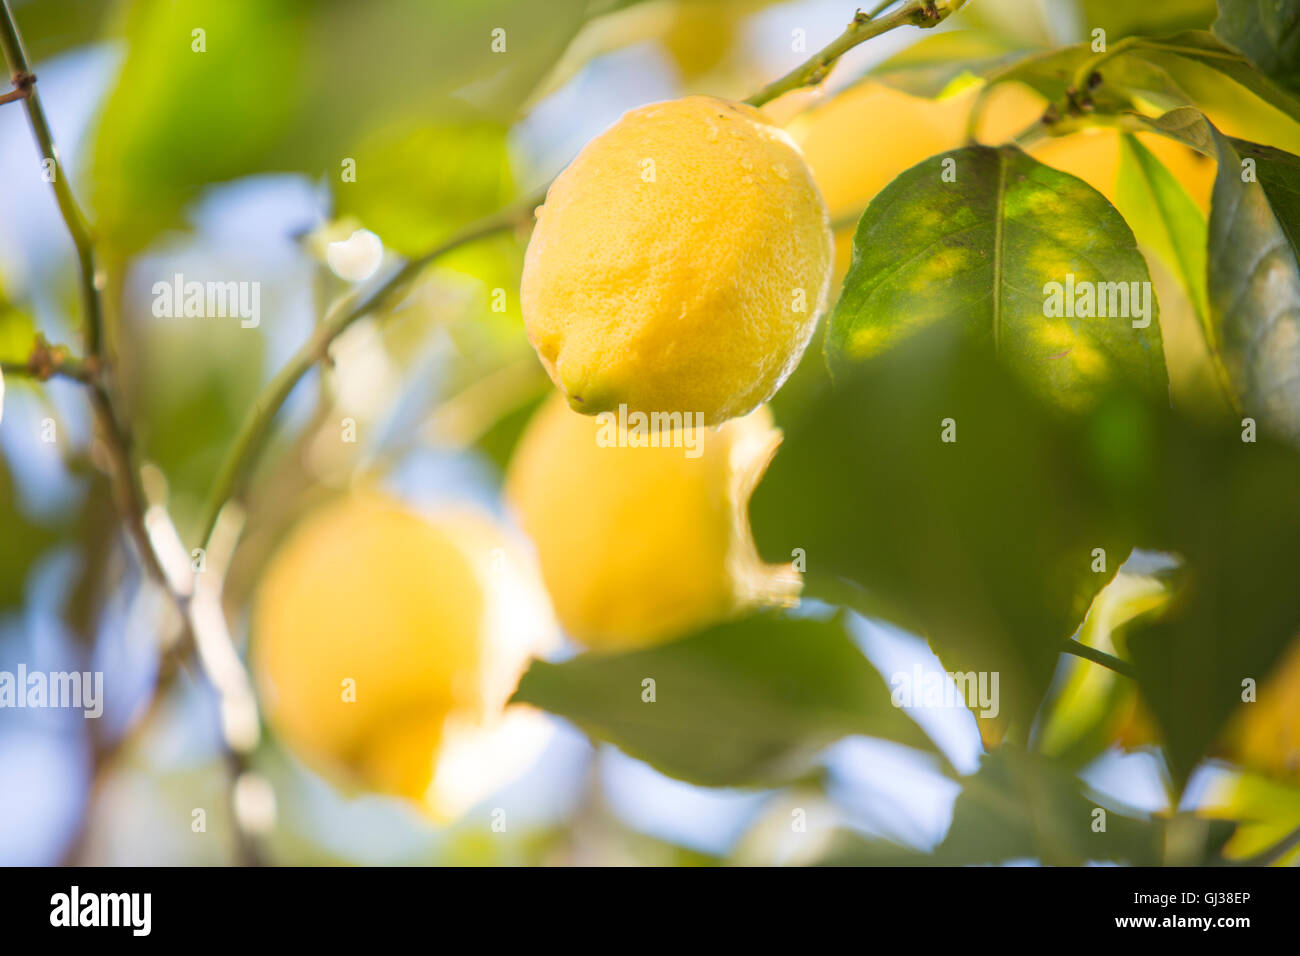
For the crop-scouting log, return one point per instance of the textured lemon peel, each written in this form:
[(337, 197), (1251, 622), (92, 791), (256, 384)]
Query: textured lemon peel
[(678, 293)]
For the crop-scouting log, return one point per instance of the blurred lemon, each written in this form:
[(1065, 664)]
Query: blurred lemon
[(862, 138), (639, 545), (679, 263), (701, 34), (857, 141), (382, 654)]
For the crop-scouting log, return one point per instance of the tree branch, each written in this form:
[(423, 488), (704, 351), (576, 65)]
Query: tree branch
[(128, 491), (917, 13), (12, 46), (48, 361)]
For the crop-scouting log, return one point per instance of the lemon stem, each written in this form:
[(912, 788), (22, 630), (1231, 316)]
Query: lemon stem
[(864, 26)]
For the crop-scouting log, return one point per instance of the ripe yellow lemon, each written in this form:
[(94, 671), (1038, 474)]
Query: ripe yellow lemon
[(679, 264), (639, 545), (381, 653)]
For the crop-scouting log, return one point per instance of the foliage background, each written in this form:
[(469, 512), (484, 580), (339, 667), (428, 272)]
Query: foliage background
[(239, 178)]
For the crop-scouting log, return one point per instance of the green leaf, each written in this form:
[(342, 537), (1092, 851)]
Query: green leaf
[(1121, 18), (1267, 32), (986, 545), (295, 86), (1254, 280), (943, 63), (1230, 510), (1253, 276), (1051, 74), (1204, 48), (745, 703), (179, 120), (1140, 70), (983, 545), (1025, 806), (51, 27), (981, 252), (417, 184), (1164, 218), (17, 332)]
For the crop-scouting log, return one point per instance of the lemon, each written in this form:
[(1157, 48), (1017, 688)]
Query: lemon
[(382, 655), (891, 131), (860, 139), (679, 264), (639, 545)]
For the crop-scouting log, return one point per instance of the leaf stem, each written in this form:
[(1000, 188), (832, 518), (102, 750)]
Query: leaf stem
[(1116, 664), (917, 13)]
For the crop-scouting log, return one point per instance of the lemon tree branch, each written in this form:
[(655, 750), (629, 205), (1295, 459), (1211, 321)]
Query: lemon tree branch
[(916, 13), (45, 362), (24, 82), (48, 361)]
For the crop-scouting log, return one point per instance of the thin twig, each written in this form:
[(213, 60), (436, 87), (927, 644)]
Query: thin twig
[(126, 484), (1100, 657), (48, 361), (22, 88), (916, 13), (11, 44)]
